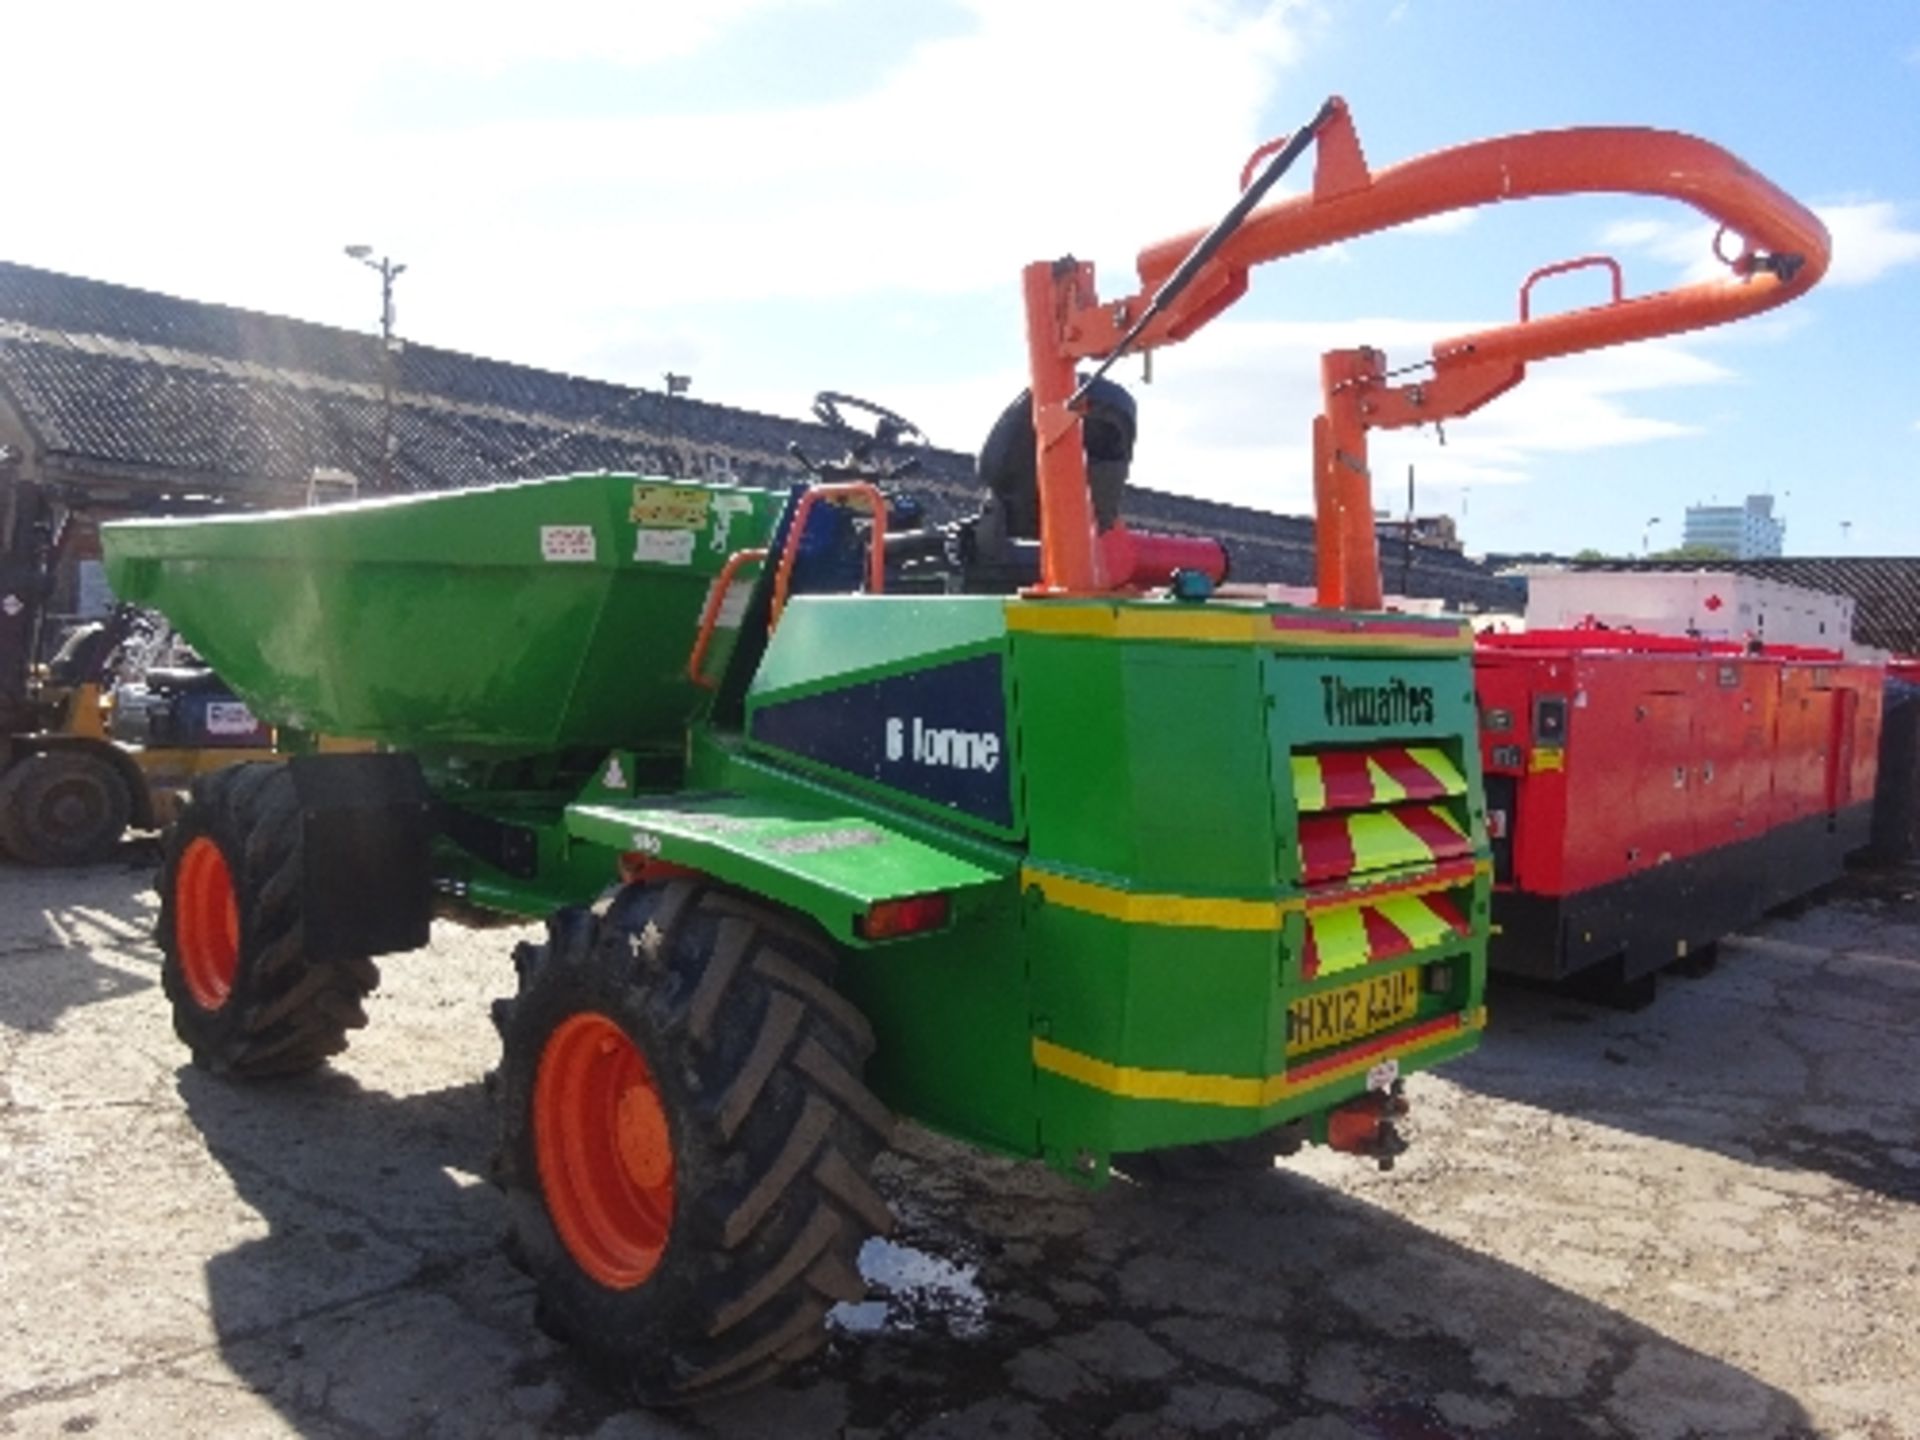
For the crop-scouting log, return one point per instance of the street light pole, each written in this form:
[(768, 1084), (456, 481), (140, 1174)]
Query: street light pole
[(1646, 533), (388, 271)]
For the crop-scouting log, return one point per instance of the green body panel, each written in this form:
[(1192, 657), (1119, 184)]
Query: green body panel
[(389, 619), (1149, 767), (1182, 788), (833, 864), (1148, 762), (828, 639), (1106, 791)]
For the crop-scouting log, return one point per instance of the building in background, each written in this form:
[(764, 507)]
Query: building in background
[(147, 403), (1439, 531), (1748, 531)]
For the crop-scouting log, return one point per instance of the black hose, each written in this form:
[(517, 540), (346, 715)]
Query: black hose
[(1210, 243)]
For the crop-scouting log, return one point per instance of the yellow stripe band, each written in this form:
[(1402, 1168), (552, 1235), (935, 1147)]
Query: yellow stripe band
[(1131, 907), (1213, 626), (1131, 1082)]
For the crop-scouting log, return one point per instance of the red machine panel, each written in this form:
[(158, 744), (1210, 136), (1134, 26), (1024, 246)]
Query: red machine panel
[(1655, 792)]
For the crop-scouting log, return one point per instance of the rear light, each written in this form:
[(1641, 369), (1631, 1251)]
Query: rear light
[(914, 915)]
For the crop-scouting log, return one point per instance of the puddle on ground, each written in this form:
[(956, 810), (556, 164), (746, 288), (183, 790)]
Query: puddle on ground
[(915, 1289)]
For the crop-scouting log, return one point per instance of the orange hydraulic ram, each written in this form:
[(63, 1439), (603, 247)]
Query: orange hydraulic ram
[(1784, 250)]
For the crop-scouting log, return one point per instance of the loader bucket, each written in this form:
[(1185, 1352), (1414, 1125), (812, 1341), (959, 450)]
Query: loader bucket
[(531, 616)]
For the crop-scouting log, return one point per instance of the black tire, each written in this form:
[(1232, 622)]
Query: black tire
[(756, 1063), (286, 1011), (63, 807), (1217, 1162)]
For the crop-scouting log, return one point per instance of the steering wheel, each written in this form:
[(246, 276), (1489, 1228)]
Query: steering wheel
[(891, 431)]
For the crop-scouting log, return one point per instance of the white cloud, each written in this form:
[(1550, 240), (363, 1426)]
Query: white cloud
[(1447, 222), (248, 159), (1231, 412), (1684, 243), (1868, 241)]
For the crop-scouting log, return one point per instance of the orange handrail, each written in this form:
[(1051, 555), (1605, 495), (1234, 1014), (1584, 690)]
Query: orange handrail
[(1785, 252), (710, 616), (1567, 267), (877, 541)]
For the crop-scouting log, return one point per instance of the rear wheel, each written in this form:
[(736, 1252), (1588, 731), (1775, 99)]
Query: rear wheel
[(247, 997), (686, 1139), (63, 807)]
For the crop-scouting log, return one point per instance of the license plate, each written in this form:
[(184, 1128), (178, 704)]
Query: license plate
[(1352, 1011)]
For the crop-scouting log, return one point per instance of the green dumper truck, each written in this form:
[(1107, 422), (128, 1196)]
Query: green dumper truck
[(1024, 828)]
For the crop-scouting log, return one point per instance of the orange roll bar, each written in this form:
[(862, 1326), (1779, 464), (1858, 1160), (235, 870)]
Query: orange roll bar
[(710, 615), (1785, 252), (876, 542)]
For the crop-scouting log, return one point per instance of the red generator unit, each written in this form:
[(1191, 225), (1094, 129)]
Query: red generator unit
[(1648, 794)]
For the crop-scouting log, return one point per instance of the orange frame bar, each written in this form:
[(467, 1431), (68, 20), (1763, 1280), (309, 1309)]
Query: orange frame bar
[(1787, 250), (710, 615), (876, 542)]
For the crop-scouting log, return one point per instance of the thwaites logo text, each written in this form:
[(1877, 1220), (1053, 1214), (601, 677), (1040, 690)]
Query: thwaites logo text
[(942, 747), (1390, 703)]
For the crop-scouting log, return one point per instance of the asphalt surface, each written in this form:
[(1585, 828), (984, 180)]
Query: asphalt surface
[(1698, 1220)]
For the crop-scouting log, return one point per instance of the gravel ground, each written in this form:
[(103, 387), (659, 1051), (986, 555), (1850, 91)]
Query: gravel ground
[(1703, 1219)]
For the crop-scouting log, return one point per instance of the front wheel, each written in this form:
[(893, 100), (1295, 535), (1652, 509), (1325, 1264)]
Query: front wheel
[(67, 806), (686, 1138), (248, 998)]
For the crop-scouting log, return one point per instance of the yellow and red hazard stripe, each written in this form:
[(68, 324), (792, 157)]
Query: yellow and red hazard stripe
[(1385, 775), (1335, 845), (1346, 937)]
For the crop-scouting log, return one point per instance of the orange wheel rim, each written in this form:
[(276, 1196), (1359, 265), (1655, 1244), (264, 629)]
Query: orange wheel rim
[(604, 1150), (206, 923)]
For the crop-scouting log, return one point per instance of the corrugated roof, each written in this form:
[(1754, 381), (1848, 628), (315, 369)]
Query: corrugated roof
[(152, 389)]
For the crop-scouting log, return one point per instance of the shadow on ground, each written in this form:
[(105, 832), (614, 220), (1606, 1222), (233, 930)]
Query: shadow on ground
[(1793, 1051), (70, 938), (376, 1303)]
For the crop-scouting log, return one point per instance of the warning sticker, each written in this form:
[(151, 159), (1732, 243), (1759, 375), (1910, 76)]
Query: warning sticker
[(669, 507), (664, 547), (567, 543)]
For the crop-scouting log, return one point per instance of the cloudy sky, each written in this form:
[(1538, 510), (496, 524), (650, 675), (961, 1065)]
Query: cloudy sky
[(782, 196)]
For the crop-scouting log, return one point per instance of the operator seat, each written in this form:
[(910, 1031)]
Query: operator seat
[(1007, 466)]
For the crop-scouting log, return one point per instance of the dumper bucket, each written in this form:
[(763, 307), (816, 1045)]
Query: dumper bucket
[(533, 616)]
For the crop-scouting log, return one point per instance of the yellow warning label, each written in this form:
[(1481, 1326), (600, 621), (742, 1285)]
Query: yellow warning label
[(1547, 757), (669, 507)]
